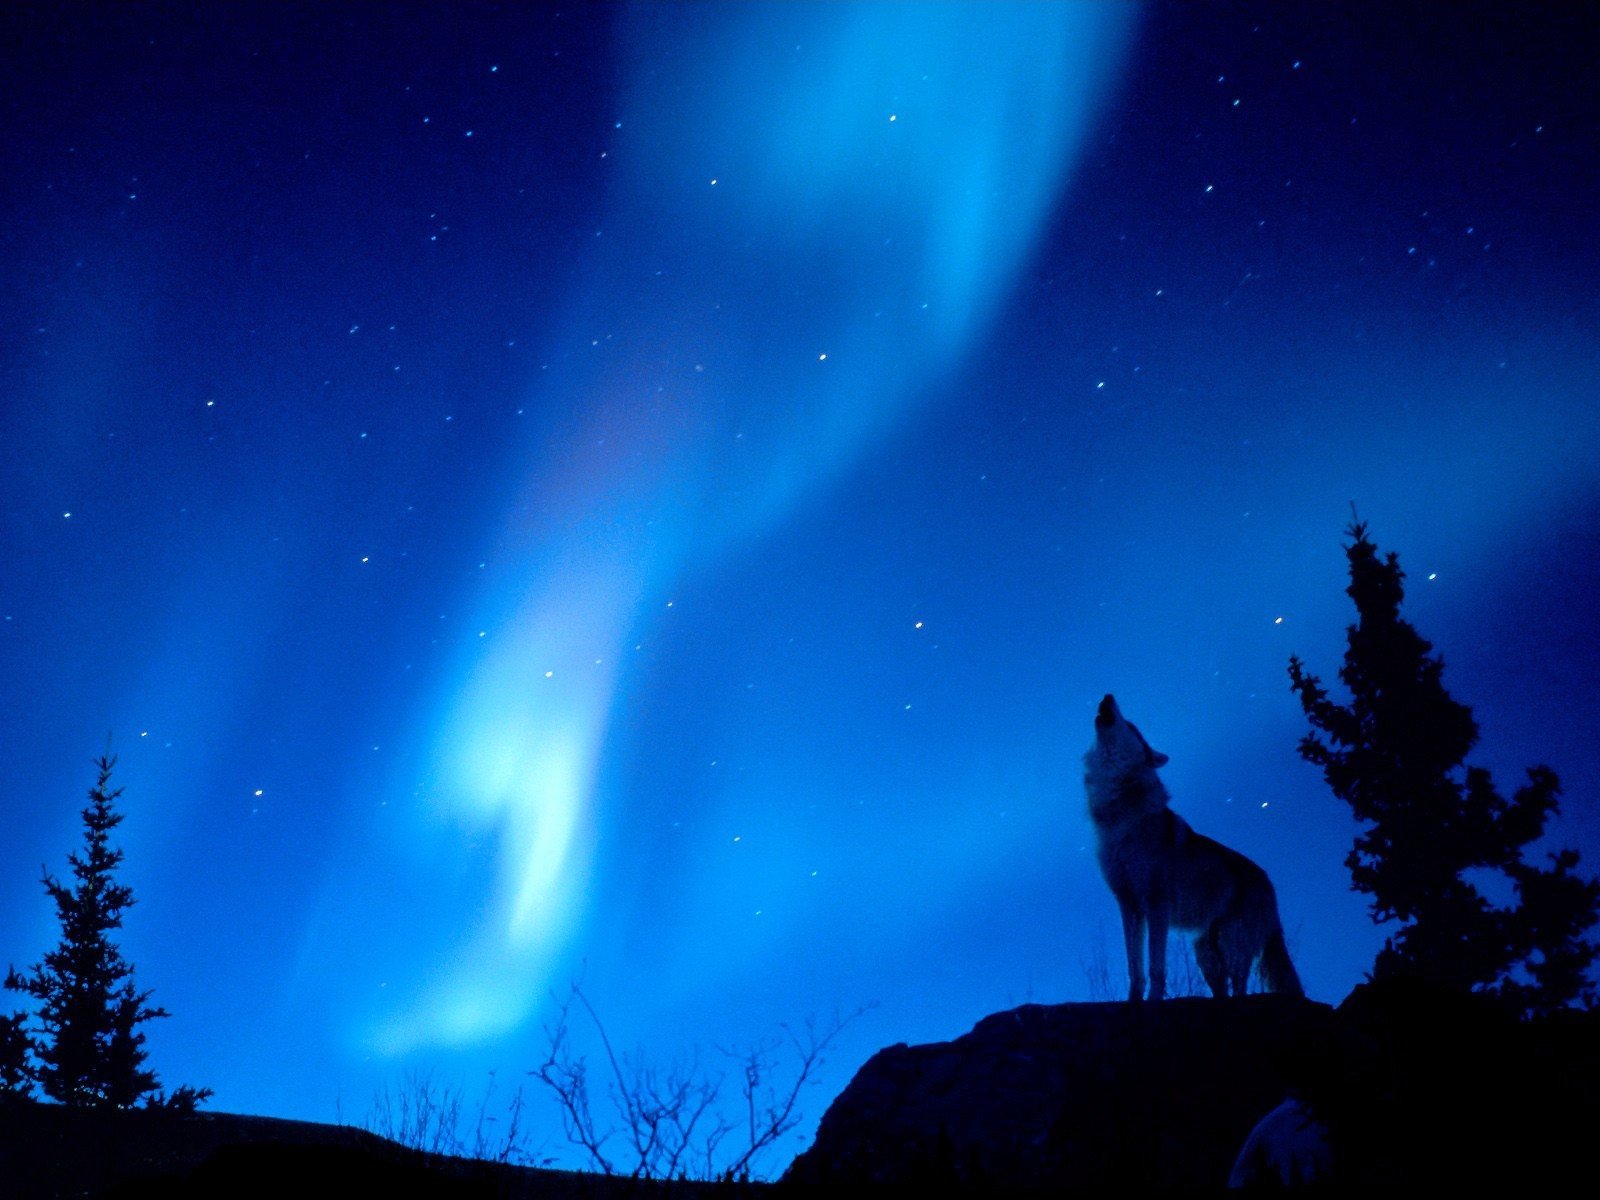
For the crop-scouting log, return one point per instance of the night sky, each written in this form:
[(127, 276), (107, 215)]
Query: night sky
[(657, 494)]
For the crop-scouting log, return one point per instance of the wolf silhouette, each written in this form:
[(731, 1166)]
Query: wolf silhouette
[(1165, 875)]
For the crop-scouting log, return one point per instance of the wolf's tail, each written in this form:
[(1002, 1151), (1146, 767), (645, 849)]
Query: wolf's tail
[(1276, 969)]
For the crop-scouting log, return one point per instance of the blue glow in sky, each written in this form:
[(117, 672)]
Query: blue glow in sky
[(657, 493), (885, 167)]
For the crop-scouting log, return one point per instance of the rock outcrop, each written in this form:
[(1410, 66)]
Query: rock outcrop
[(1404, 1088), (1081, 1096)]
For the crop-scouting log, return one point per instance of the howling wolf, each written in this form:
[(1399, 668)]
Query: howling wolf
[(1165, 874)]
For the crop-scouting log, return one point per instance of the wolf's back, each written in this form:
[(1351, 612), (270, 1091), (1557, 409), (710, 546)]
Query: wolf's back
[(1243, 911)]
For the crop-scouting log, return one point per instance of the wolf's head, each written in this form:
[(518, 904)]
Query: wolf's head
[(1119, 739), (1120, 766)]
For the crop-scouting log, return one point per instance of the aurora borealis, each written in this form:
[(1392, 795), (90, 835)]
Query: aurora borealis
[(657, 492)]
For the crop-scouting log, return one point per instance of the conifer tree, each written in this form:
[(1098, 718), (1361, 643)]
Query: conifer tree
[(1395, 754), (15, 1079), (87, 1049)]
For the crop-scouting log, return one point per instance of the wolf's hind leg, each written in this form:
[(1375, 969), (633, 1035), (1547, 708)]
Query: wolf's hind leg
[(1239, 948), (1209, 955), (1133, 941)]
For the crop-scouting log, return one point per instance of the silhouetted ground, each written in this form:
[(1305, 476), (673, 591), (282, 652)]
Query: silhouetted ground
[(1415, 1089), (1111, 1097), (1427, 1090), (49, 1151), (1412, 1089)]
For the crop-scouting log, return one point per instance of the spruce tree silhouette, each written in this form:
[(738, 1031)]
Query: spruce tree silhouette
[(1395, 754), (15, 1080), (88, 1049)]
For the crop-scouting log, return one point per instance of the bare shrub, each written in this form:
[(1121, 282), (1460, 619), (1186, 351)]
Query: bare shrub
[(425, 1114), (683, 1121)]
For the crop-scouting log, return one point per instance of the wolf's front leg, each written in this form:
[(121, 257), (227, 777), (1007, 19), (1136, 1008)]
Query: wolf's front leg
[(1133, 940), (1158, 918)]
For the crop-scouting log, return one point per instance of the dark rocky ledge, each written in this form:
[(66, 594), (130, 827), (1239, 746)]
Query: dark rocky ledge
[(1407, 1088), (1088, 1096)]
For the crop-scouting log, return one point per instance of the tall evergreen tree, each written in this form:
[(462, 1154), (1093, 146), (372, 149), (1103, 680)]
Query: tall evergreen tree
[(16, 1081), (88, 1049), (1395, 754)]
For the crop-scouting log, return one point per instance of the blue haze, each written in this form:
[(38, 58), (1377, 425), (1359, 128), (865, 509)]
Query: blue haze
[(655, 494)]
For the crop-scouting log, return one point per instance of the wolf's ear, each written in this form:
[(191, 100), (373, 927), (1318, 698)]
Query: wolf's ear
[(1158, 759)]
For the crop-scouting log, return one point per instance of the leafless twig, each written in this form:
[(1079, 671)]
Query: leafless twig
[(424, 1114), (670, 1120)]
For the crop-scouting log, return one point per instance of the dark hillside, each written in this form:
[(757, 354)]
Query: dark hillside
[(50, 1151)]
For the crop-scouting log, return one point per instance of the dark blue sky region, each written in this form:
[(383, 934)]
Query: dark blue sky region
[(658, 492)]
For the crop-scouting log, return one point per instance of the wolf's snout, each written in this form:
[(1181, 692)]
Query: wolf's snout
[(1107, 713)]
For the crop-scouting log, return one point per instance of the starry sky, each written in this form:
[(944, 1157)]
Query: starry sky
[(655, 494)]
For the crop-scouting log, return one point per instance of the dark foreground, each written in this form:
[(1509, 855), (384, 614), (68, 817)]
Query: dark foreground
[(1400, 1088), (1411, 1091), (49, 1151)]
